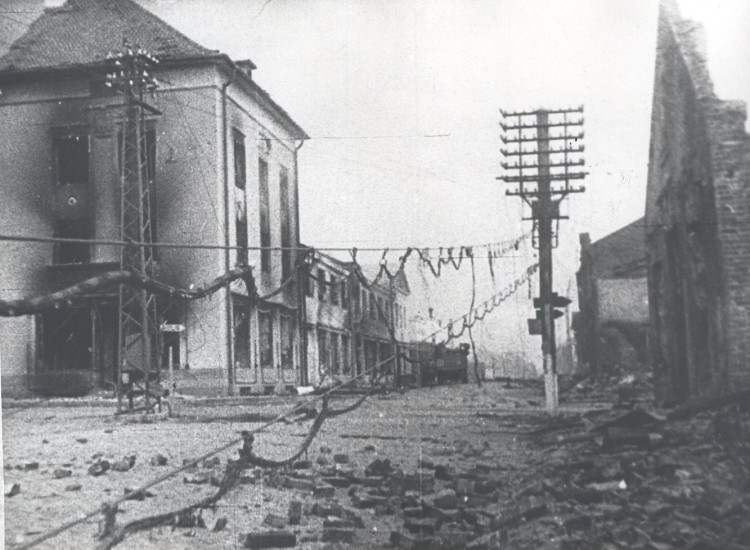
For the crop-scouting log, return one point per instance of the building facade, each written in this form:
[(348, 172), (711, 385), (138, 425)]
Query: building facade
[(348, 324), (697, 212), (222, 166), (611, 326)]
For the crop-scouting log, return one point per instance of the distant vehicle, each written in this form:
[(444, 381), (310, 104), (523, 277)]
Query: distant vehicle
[(433, 364)]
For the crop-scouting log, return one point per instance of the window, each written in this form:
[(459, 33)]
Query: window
[(308, 284), (373, 307), (71, 147), (265, 220), (240, 167), (344, 294), (72, 253), (287, 341), (240, 229), (286, 229), (323, 359), (364, 303), (334, 290), (345, 353), (72, 157), (321, 285), (381, 312), (334, 353), (265, 326)]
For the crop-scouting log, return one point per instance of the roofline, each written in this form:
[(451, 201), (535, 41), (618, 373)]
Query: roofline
[(11, 75)]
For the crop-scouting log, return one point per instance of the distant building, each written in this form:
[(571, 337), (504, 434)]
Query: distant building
[(697, 223), (347, 323), (611, 326), (222, 165)]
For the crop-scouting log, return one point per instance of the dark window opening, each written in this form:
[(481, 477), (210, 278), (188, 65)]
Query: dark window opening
[(265, 322), (72, 253), (240, 167), (308, 285), (334, 290), (321, 285), (240, 228), (72, 158), (286, 230), (265, 220)]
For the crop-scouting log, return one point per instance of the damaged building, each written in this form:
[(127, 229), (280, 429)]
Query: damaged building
[(697, 233), (611, 327), (222, 166)]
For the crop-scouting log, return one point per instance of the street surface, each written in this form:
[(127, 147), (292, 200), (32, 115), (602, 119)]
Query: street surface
[(467, 467)]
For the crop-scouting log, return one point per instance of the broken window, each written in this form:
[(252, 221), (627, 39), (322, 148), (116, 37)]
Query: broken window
[(265, 217), (71, 153)]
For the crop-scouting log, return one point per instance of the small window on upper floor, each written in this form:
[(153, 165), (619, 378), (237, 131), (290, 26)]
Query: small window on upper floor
[(334, 290), (321, 285), (72, 156), (240, 166)]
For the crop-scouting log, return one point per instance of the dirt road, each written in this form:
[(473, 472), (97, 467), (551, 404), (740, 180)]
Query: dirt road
[(447, 467)]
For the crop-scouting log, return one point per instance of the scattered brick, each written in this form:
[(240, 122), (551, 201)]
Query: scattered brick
[(220, 525), (299, 484), (158, 460), (73, 487), (14, 490), (99, 467), (61, 473), (294, 513), (270, 539), (275, 521), (324, 491), (341, 458), (345, 536)]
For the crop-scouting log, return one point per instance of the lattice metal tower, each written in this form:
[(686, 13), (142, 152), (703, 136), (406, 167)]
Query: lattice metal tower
[(555, 141), (138, 372)]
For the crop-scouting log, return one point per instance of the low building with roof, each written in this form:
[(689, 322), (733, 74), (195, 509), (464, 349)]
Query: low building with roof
[(611, 326)]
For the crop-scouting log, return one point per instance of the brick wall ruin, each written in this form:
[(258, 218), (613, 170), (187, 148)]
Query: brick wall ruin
[(698, 237)]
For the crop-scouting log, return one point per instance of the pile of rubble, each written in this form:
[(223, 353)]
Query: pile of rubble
[(611, 480)]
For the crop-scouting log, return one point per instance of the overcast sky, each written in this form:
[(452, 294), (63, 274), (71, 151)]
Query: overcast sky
[(401, 99)]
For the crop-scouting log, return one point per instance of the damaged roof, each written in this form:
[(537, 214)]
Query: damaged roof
[(82, 32)]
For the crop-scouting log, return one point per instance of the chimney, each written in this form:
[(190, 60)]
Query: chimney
[(246, 66)]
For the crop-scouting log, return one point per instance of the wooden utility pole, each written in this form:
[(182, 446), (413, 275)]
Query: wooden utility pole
[(138, 375), (531, 134)]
